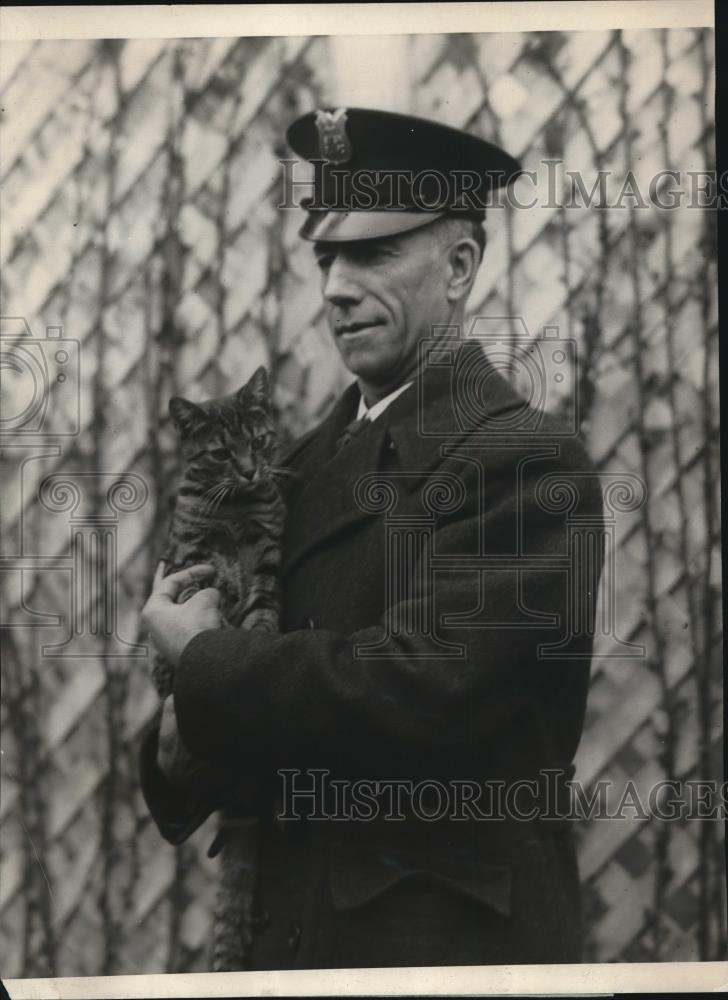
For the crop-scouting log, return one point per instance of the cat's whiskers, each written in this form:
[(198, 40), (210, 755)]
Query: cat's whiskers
[(219, 485), (209, 494), (216, 494), (221, 496)]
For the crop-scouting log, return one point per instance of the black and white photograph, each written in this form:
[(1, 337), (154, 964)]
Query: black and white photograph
[(360, 565)]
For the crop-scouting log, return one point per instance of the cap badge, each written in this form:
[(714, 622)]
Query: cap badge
[(334, 143)]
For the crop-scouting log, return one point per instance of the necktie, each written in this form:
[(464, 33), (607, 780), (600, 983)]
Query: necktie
[(350, 431)]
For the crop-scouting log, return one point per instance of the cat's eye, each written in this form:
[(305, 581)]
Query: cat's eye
[(258, 442), (218, 453)]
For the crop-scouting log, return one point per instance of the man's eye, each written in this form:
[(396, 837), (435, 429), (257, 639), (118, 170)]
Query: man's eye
[(370, 254), (324, 263)]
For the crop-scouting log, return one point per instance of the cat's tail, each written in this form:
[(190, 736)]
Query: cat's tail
[(233, 924)]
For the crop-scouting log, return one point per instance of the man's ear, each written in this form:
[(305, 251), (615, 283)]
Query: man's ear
[(187, 417), (463, 260)]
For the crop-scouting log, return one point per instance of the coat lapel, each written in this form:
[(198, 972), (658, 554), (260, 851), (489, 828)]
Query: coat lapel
[(416, 425), (319, 444), (321, 501), (451, 402)]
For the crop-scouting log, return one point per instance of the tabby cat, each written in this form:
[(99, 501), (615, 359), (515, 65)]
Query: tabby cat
[(229, 512)]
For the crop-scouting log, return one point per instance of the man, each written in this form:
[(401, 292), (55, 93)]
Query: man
[(423, 577)]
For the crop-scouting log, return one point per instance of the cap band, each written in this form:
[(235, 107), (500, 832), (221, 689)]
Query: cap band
[(340, 227)]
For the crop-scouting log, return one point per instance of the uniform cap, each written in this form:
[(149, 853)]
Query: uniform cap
[(377, 173)]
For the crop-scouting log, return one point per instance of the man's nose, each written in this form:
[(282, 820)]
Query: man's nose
[(341, 287)]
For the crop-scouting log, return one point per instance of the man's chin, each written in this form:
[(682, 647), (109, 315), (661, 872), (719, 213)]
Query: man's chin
[(365, 362), (369, 371)]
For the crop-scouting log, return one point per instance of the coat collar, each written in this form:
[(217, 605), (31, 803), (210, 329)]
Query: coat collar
[(443, 406), (454, 397)]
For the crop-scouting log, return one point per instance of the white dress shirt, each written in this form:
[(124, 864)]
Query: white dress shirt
[(372, 412)]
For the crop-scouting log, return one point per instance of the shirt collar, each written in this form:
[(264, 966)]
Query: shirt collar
[(372, 412)]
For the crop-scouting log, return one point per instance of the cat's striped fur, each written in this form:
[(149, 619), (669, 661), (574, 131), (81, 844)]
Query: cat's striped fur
[(229, 512)]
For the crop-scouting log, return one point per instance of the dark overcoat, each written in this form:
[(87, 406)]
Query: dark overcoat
[(417, 609)]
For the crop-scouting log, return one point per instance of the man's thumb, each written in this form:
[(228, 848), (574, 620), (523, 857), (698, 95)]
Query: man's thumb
[(208, 598)]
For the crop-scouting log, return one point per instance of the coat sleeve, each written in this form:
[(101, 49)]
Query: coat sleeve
[(177, 811), (180, 808), (310, 698)]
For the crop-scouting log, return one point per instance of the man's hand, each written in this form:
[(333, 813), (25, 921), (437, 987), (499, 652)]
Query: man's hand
[(171, 625), (173, 756)]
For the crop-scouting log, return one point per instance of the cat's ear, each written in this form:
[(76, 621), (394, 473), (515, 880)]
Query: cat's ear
[(256, 389), (187, 417)]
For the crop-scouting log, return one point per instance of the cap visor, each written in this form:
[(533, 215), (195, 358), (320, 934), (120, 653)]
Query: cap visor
[(343, 227)]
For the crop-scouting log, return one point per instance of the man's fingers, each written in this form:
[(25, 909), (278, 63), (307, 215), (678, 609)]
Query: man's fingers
[(171, 585), (159, 574)]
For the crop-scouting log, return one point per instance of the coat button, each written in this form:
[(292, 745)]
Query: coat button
[(294, 936), (308, 623), (259, 918)]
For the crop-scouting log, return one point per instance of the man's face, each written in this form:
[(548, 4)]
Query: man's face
[(382, 296)]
